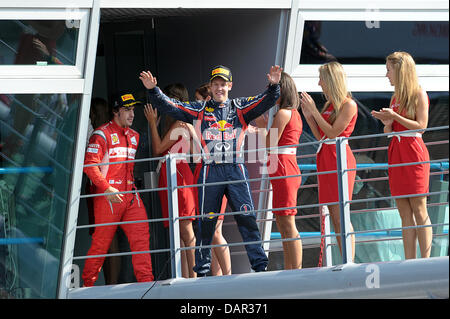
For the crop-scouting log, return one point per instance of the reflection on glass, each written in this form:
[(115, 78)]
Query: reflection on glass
[(37, 134), (38, 42), (360, 42)]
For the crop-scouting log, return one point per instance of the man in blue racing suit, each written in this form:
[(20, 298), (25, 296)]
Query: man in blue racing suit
[(221, 124)]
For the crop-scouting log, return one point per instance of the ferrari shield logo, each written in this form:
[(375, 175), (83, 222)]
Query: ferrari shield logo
[(114, 139)]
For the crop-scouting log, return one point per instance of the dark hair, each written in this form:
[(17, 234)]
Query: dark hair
[(289, 95), (204, 90), (99, 112), (175, 91)]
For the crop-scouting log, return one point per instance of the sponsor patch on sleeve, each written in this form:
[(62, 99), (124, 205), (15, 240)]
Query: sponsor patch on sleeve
[(92, 150)]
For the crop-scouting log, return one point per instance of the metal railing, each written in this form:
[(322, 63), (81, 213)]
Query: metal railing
[(175, 248)]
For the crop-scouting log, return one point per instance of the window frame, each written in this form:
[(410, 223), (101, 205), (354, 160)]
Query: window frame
[(361, 77), (49, 71)]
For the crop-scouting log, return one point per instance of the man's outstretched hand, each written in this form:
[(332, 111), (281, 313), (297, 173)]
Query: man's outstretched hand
[(148, 79), (274, 74)]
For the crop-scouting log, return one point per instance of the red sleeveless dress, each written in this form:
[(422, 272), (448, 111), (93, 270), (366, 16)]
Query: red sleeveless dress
[(285, 190), (186, 196), (326, 161), (411, 179)]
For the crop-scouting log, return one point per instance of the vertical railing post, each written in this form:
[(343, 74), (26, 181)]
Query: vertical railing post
[(344, 206), (325, 214), (174, 222), (265, 197)]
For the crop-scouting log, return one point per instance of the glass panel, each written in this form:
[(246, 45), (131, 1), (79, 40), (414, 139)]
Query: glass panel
[(38, 42), (356, 42), (37, 135)]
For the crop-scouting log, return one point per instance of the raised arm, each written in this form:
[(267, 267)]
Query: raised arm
[(252, 107), (182, 111)]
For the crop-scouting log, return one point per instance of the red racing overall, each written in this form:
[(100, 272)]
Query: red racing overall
[(112, 143)]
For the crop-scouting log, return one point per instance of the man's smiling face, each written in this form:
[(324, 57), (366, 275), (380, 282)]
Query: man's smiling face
[(220, 89)]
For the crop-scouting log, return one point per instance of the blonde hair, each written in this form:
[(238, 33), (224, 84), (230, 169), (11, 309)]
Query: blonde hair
[(406, 82), (333, 76)]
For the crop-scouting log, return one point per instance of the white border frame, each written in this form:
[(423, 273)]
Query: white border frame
[(361, 77), (49, 71), (46, 4), (68, 245), (197, 4), (41, 86)]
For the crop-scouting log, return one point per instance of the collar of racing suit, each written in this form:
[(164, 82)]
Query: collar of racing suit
[(117, 127)]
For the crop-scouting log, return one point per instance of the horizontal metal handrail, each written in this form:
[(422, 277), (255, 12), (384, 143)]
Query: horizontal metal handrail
[(265, 149), (393, 197), (134, 191), (395, 228), (250, 211), (316, 245), (249, 243), (360, 211), (148, 159), (429, 129)]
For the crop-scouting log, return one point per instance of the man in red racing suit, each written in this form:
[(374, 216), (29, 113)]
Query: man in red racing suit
[(116, 142)]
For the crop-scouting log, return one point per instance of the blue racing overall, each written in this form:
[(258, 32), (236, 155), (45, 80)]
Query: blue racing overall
[(221, 128)]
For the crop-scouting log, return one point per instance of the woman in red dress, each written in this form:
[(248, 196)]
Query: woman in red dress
[(286, 130), (176, 140), (337, 118), (408, 111)]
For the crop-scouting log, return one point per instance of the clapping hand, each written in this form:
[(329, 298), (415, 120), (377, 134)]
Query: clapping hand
[(385, 115), (307, 104), (151, 114)]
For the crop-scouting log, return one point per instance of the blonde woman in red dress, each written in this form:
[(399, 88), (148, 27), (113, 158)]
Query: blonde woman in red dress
[(337, 119), (408, 111)]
